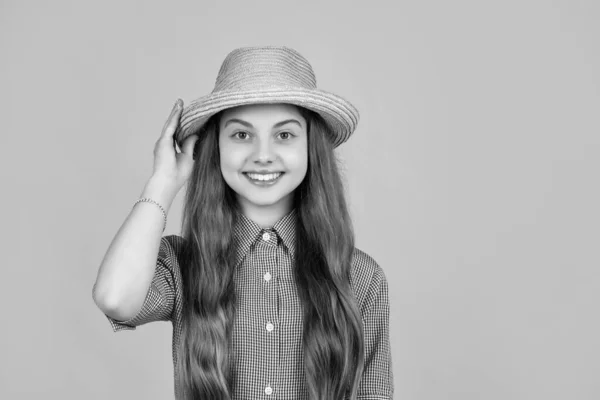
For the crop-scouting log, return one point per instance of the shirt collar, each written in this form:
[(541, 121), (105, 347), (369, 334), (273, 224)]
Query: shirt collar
[(247, 232)]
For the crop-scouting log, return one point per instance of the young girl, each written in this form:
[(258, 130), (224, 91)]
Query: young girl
[(267, 294)]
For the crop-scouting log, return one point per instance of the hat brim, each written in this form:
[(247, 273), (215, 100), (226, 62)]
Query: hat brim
[(339, 114)]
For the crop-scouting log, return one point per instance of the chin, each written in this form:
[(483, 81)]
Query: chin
[(265, 200), (253, 196)]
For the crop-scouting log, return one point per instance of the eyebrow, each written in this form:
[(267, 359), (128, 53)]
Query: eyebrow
[(249, 125)]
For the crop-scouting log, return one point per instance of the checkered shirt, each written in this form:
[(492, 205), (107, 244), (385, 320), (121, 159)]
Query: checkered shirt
[(267, 354)]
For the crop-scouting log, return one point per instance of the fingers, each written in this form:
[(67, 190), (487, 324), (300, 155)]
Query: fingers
[(173, 121), (188, 144)]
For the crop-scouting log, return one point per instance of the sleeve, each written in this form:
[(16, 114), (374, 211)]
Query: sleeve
[(164, 289), (378, 380)]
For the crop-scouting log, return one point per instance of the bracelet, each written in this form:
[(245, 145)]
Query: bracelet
[(148, 200)]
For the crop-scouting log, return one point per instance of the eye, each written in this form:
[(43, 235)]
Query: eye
[(241, 135), (285, 135)]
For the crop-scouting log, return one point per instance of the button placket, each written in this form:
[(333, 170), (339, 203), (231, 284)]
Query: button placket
[(268, 247), (269, 237)]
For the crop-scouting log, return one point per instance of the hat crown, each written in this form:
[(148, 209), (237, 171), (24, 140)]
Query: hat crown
[(250, 68)]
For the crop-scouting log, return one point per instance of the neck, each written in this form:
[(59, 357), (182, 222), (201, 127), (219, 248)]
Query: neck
[(266, 216)]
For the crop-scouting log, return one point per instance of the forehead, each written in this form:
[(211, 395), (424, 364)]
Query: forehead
[(262, 112)]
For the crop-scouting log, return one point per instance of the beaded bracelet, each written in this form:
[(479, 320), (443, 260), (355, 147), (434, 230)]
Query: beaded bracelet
[(146, 199)]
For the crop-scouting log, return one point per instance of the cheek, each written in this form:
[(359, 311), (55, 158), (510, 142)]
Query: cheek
[(297, 160), (232, 159)]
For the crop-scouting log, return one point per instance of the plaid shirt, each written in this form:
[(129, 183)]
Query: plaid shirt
[(267, 355)]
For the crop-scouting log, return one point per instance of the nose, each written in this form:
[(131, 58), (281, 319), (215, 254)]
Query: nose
[(264, 153)]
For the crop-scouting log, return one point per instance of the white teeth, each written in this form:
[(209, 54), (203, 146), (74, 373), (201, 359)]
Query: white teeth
[(264, 177)]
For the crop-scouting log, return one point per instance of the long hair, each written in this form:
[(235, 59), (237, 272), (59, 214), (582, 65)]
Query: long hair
[(332, 333)]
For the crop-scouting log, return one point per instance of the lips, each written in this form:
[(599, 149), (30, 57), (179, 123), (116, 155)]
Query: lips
[(263, 177)]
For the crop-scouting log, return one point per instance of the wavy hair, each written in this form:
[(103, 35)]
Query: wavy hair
[(332, 331)]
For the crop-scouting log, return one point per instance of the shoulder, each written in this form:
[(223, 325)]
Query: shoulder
[(367, 276), (171, 248), (172, 241), (364, 267)]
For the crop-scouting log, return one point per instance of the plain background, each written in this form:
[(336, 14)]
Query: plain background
[(472, 179)]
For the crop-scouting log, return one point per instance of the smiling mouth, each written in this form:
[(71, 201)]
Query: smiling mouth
[(263, 177)]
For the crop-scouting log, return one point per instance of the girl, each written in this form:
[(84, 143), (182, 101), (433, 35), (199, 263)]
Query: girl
[(267, 294)]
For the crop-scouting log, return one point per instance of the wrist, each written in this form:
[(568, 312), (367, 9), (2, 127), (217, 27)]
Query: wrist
[(160, 190)]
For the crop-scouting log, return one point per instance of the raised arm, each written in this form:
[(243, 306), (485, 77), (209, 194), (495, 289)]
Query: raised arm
[(128, 267)]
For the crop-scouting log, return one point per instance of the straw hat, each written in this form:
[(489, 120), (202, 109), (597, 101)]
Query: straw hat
[(268, 74)]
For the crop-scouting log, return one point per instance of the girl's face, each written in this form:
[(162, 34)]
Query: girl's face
[(264, 157)]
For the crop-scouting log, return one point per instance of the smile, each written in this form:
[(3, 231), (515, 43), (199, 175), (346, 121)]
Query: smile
[(263, 179)]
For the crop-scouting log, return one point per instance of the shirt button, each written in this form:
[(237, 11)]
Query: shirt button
[(270, 327), (266, 236), (267, 277), (268, 390)]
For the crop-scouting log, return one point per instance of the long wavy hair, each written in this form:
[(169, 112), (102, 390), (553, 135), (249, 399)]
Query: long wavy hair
[(332, 331)]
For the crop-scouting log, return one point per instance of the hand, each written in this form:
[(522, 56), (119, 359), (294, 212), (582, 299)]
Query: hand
[(169, 165)]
